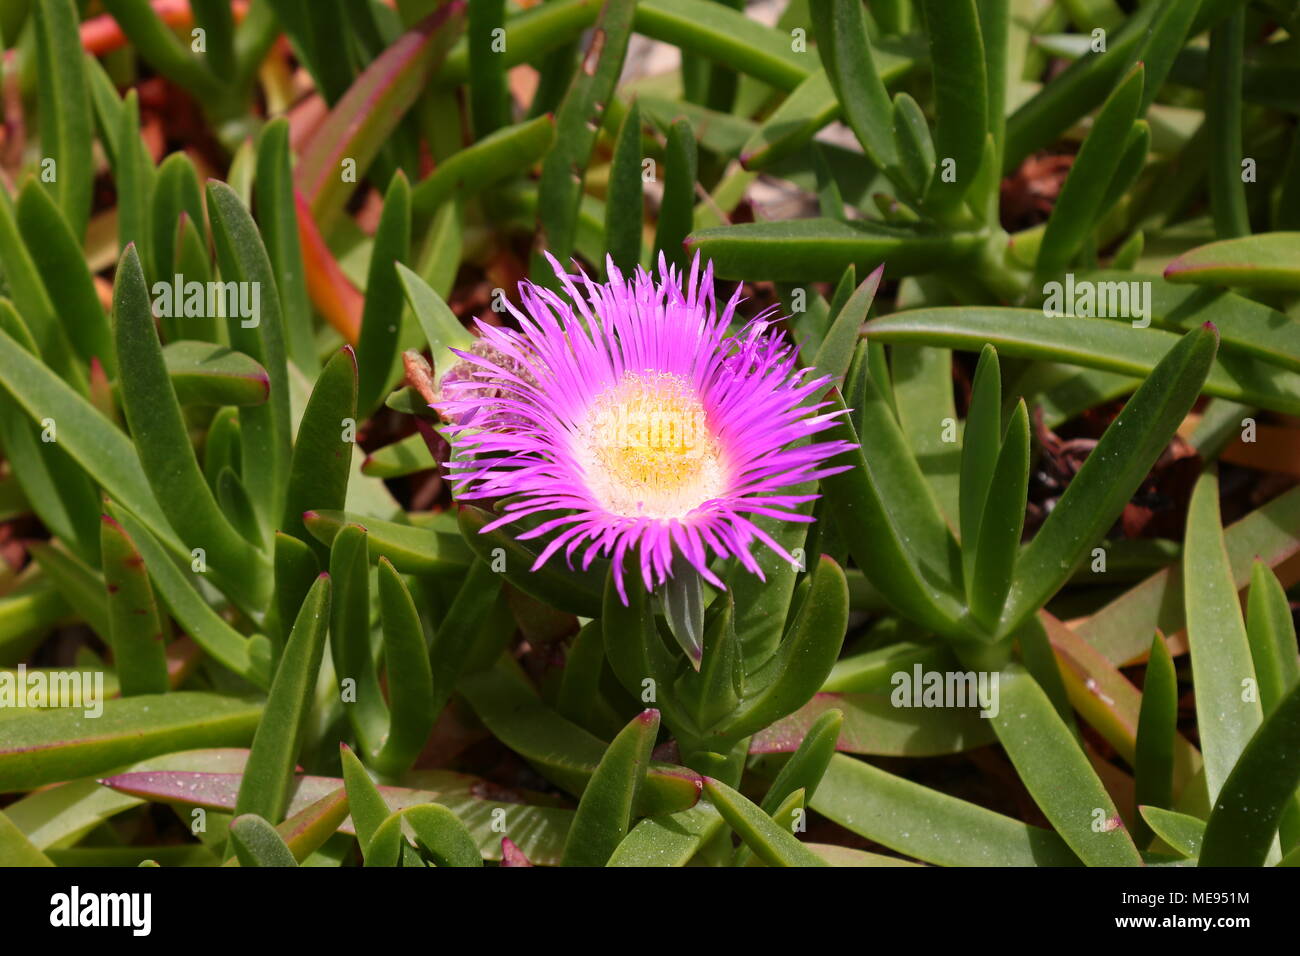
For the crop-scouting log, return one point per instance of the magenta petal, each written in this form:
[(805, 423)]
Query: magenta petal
[(522, 404)]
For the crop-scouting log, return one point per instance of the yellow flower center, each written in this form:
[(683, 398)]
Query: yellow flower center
[(646, 448)]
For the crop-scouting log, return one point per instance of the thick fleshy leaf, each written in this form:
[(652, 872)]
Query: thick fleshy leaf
[(1244, 325), (136, 628), (538, 826), (874, 725), (381, 321), (669, 840), (577, 591), (1057, 773), (804, 658), (160, 437), (435, 827), (265, 429), (310, 827), (961, 98), (1243, 825), (1268, 261), (277, 217), (981, 442), (249, 657), (837, 347), (206, 374), (998, 545), (1271, 631), (1156, 730), (1181, 832), (895, 534), (410, 681), (269, 774), (442, 330), (562, 751), (40, 747), (161, 48), (1110, 475), (1080, 201), (489, 94), (771, 843), (625, 203), (1223, 115), (1122, 629), (469, 632), (63, 99), (399, 459), (724, 35), (63, 813), (842, 43), (16, 849), (56, 252), (819, 250), (322, 452), (58, 488), (256, 843), (577, 121), (1108, 346), (413, 550), (32, 301), (83, 433), (363, 119), (929, 825), (803, 771), (176, 195), (677, 209), (605, 810), (506, 153), (368, 807), (1226, 715)]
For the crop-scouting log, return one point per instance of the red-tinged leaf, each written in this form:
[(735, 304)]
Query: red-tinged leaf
[(1269, 261), (360, 123), (44, 746), (331, 292), (511, 855), (539, 830), (873, 725)]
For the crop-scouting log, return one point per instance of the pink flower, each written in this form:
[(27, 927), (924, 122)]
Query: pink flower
[(633, 413)]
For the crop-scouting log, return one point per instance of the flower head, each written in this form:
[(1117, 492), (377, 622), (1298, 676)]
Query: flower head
[(628, 408)]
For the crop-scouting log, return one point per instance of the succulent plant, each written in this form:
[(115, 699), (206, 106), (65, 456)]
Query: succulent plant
[(435, 434)]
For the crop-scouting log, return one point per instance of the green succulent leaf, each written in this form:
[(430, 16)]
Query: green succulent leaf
[(64, 101), (267, 777), (772, 843), (134, 623), (1182, 832), (1220, 648), (1269, 261), (38, 747), (1243, 824), (322, 452), (605, 810), (1108, 478), (256, 842), (1156, 730), (436, 828), (413, 550)]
